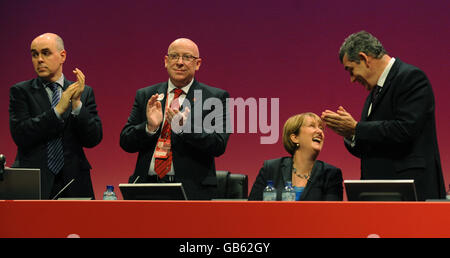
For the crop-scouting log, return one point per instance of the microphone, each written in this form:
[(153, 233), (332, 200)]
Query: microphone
[(2, 166), (64, 188)]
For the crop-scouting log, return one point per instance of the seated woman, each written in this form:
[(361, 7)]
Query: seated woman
[(313, 180)]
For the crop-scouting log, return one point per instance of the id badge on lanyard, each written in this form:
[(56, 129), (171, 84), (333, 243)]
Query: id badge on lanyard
[(162, 148), (163, 145)]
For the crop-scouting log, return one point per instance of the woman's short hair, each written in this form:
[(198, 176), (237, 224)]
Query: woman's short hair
[(292, 126)]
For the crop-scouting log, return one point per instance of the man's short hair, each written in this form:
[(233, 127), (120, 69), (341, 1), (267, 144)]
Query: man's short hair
[(361, 42), (59, 43)]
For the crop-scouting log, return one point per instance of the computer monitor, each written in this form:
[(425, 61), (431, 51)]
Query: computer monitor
[(153, 191), (380, 190), (21, 184)]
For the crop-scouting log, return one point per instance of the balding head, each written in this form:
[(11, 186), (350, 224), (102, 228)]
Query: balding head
[(187, 43), (182, 61), (48, 56), (59, 43)]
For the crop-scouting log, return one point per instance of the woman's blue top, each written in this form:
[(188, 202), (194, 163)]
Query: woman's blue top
[(298, 192)]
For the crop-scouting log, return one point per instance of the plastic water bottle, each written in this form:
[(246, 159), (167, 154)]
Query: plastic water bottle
[(288, 193), (269, 193), (109, 194)]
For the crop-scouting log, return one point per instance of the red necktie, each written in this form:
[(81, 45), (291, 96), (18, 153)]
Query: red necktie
[(162, 166)]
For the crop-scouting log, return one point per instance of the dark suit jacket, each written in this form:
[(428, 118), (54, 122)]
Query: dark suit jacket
[(325, 183), (398, 140), (193, 153), (33, 123)]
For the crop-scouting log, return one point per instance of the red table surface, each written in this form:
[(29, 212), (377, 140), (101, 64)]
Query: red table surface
[(223, 219)]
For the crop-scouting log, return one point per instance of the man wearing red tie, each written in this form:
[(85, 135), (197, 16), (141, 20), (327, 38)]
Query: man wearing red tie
[(169, 154)]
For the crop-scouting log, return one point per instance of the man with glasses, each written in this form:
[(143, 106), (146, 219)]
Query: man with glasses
[(166, 153)]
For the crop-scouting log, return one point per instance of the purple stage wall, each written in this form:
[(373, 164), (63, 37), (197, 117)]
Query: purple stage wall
[(260, 49)]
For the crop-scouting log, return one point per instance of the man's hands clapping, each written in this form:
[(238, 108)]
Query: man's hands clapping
[(340, 121), (72, 94), (155, 115)]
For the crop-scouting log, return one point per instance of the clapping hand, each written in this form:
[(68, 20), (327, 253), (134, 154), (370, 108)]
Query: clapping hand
[(176, 118), (72, 94), (154, 113), (76, 97), (340, 121)]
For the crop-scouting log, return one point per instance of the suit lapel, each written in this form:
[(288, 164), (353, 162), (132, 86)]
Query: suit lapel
[(318, 166), (160, 89), (190, 95), (380, 96), (40, 94), (190, 102), (286, 170), (67, 83), (365, 111), (387, 84)]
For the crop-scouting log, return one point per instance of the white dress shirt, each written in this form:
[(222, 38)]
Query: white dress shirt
[(382, 79), (380, 83), (170, 95)]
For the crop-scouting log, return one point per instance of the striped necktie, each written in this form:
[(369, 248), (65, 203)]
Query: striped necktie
[(162, 166), (55, 151)]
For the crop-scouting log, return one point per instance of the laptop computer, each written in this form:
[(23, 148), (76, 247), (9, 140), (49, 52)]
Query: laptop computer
[(21, 184), (153, 191), (380, 190)]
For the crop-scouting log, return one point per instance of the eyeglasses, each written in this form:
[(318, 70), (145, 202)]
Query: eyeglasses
[(186, 58)]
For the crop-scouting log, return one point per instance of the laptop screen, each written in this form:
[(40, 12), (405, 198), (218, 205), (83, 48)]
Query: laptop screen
[(21, 184), (380, 190), (153, 191)]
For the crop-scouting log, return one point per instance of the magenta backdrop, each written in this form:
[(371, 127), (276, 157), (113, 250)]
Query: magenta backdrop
[(261, 49)]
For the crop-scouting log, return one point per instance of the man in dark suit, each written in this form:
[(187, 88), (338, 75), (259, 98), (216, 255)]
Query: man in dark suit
[(52, 119), (396, 136), (167, 126)]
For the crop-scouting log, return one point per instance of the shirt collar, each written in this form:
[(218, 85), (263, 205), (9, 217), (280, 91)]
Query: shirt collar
[(385, 73), (60, 81), (185, 89)]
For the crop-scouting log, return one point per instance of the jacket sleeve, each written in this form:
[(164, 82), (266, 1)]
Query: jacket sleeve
[(352, 147), (133, 137), (28, 130), (88, 125), (334, 188)]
